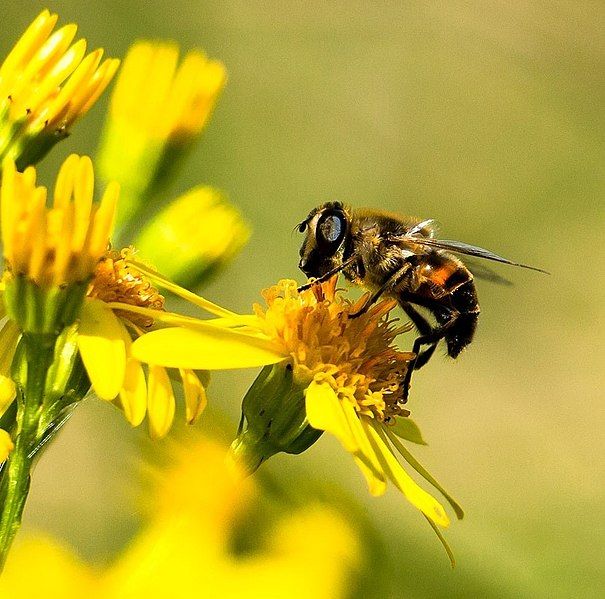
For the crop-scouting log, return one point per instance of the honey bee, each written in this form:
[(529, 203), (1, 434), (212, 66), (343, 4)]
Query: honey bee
[(399, 257)]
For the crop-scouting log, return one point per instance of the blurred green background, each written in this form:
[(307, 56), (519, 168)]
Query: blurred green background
[(487, 116)]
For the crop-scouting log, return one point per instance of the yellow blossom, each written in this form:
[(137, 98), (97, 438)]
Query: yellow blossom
[(194, 236), (46, 83), (51, 253), (110, 319), (158, 109), (351, 372), (186, 548), (156, 95), (61, 245), (58, 270)]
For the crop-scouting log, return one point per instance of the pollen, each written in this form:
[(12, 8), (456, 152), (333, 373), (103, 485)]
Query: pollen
[(115, 280), (357, 357)]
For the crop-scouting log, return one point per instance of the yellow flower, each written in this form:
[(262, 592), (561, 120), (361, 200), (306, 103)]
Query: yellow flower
[(186, 549), (193, 236), (61, 245), (350, 372), (46, 83), (165, 100), (108, 323), (51, 253), (59, 573), (58, 271), (158, 109)]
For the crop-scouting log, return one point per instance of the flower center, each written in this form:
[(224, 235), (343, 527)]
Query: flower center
[(115, 280), (356, 356)]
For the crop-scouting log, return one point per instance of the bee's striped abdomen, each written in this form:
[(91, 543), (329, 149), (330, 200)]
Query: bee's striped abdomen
[(453, 287)]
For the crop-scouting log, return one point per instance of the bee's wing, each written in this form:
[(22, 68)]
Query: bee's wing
[(459, 247), (482, 271)]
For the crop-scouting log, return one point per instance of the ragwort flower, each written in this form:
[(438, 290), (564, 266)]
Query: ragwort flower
[(186, 549), (46, 84), (157, 111), (51, 253), (59, 272), (120, 305), (194, 236), (331, 373)]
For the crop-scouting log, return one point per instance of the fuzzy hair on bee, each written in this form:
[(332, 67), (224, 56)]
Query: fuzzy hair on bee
[(399, 257)]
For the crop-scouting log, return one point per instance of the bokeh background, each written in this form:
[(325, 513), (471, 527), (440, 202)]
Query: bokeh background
[(487, 116)]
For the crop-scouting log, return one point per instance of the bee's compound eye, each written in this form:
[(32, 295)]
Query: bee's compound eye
[(302, 226), (331, 228)]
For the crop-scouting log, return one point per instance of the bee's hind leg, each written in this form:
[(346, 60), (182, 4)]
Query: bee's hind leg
[(428, 336)]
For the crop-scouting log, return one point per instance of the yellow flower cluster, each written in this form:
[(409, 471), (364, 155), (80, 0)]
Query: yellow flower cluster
[(156, 95), (60, 245), (46, 83), (186, 548)]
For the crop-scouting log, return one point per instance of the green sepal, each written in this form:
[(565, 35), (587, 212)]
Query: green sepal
[(275, 418), (33, 148), (414, 463), (67, 381), (406, 428), (43, 311), (24, 146)]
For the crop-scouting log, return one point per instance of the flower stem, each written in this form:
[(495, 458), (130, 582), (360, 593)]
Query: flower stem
[(16, 474)]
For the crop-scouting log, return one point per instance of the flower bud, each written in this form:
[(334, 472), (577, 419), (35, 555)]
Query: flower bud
[(193, 237)]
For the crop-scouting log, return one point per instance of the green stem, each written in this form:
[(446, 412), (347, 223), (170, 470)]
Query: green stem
[(16, 476)]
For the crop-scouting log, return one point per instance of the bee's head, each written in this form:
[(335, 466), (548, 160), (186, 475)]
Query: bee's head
[(326, 228)]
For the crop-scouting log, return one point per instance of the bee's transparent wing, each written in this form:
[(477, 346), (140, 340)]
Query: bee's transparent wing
[(459, 247), (482, 271)]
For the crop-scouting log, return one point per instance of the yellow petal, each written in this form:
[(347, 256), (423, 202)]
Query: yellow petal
[(205, 348), (8, 392), (82, 102), (414, 463), (34, 37), (133, 395), (366, 458), (160, 402), (377, 485), (195, 395), (6, 445), (417, 496), (179, 291), (325, 413), (103, 348)]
